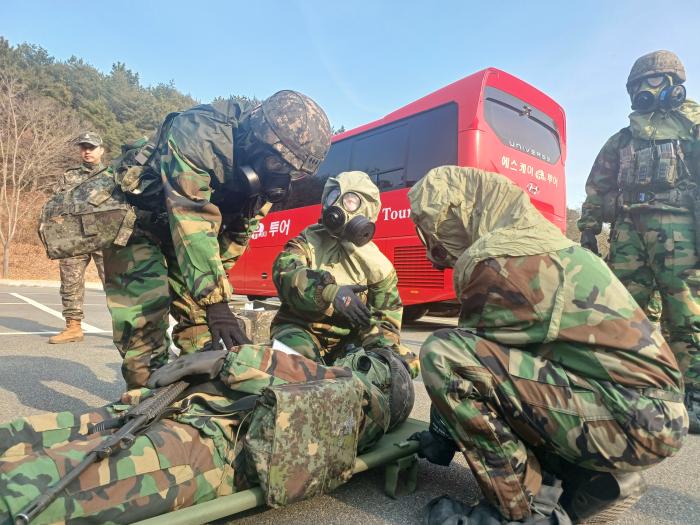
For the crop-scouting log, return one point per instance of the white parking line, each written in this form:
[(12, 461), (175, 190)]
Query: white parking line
[(31, 333), (87, 328)]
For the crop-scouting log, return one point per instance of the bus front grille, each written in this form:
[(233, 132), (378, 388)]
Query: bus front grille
[(414, 269)]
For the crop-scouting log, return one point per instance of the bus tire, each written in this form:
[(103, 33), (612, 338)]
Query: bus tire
[(414, 312), (257, 297)]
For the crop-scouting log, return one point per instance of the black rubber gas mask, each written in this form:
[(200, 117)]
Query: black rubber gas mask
[(267, 175), (341, 217), (656, 92), (437, 254)]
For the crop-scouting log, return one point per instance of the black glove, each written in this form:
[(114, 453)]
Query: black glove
[(200, 366), (224, 325), (434, 448), (347, 304), (589, 241), (435, 444)]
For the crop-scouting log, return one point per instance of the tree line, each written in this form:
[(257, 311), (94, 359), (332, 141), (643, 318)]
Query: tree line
[(45, 103)]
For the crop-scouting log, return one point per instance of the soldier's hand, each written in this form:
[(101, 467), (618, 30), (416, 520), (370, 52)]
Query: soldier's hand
[(348, 305), (224, 326), (200, 366), (588, 240)]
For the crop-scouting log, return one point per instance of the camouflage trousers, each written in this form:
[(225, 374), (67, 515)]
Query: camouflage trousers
[(172, 466), (313, 344), (144, 286), (502, 404), (656, 249), (73, 282)]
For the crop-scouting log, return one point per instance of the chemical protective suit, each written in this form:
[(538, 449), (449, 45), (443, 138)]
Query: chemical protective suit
[(552, 363), (336, 287)]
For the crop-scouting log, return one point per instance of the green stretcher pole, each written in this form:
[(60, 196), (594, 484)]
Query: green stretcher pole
[(392, 447)]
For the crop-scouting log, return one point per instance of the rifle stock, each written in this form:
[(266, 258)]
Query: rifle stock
[(135, 420)]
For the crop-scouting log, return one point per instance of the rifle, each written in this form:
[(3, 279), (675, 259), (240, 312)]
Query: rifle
[(130, 425)]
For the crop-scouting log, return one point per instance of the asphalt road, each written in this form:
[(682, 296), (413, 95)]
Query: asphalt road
[(37, 377)]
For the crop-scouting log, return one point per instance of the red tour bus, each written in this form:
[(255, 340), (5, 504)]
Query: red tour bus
[(489, 120)]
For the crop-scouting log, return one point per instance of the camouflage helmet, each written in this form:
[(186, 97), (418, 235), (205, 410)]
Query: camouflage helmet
[(294, 126), (401, 393), (658, 62)]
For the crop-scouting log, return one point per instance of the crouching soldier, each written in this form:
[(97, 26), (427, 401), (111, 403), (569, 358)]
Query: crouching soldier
[(211, 444), (337, 289), (554, 370)]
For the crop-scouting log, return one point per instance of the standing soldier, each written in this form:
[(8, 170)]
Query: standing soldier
[(553, 371), (73, 268), (200, 190), (337, 289), (645, 180)]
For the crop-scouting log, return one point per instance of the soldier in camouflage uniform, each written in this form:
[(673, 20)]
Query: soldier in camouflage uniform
[(645, 180), (217, 170), (336, 287), (73, 268), (553, 362), (193, 456)]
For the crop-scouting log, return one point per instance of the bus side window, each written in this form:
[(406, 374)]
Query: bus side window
[(382, 155), (433, 142)]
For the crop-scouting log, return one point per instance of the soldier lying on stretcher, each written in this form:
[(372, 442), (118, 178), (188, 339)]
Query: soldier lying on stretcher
[(210, 443)]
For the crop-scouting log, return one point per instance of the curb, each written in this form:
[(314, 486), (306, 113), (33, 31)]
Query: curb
[(46, 284)]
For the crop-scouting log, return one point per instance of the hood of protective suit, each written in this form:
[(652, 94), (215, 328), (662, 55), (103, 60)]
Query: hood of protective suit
[(360, 183), (475, 215), (349, 264), (659, 125)]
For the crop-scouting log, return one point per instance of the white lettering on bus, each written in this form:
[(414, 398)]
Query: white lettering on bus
[(391, 214), (530, 150)]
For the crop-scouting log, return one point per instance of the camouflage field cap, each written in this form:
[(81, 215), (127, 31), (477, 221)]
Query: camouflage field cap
[(296, 127), (656, 63), (89, 137)]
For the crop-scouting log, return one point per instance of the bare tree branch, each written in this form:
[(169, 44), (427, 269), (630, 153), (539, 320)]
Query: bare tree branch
[(35, 139)]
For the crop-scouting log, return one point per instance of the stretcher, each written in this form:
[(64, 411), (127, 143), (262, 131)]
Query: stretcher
[(393, 451)]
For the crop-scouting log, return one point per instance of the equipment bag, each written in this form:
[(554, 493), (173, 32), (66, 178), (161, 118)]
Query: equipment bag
[(86, 218), (302, 439)]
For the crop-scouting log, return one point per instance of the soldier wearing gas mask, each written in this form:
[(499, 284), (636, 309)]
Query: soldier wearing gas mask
[(337, 289), (645, 182), (200, 190)]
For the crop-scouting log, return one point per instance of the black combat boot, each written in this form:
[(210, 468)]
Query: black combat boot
[(545, 510), (692, 405), (601, 497)]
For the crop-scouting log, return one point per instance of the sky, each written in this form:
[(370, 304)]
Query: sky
[(362, 59)]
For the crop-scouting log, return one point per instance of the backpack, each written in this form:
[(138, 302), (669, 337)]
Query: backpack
[(86, 218)]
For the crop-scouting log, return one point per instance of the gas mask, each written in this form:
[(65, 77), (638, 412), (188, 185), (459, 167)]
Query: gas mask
[(437, 254), (342, 220), (263, 171), (656, 92)]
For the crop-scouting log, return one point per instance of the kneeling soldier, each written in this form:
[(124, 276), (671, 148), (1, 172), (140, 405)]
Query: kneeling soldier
[(337, 289), (554, 370)]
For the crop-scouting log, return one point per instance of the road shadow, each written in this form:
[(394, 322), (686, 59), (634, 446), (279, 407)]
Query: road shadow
[(23, 375), (362, 500), (23, 324)]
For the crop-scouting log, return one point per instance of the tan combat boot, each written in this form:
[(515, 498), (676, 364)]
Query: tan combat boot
[(73, 333)]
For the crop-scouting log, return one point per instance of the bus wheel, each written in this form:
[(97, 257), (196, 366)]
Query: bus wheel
[(414, 312), (257, 297)]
